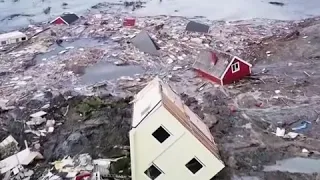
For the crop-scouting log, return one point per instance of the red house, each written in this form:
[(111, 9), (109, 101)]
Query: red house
[(65, 19), (221, 68)]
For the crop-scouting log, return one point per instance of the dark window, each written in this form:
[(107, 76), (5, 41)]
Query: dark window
[(235, 67), (17, 40), (152, 172), (3, 42), (194, 165), (23, 39), (161, 134)]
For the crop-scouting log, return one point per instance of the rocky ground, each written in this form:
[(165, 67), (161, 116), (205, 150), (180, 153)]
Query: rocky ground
[(95, 118)]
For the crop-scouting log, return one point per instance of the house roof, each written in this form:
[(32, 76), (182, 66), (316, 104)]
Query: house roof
[(70, 18), (14, 34), (173, 103), (145, 43), (205, 62)]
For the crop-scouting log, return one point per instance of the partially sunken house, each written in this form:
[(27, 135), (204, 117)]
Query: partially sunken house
[(220, 67), (65, 19), (167, 140)]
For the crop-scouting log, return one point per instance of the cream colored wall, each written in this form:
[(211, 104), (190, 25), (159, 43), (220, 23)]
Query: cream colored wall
[(172, 155), (173, 161)]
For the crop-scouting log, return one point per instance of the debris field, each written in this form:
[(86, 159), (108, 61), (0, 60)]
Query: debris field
[(48, 109)]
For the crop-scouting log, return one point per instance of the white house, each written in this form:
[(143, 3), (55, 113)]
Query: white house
[(12, 37), (167, 140)]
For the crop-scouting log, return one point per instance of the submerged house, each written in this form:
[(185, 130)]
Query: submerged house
[(167, 140), (12, 37), (220, 67), (66, 19)]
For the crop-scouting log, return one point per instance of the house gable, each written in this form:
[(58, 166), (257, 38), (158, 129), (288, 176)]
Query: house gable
[(145, 147), (236, 69), (59, 20)]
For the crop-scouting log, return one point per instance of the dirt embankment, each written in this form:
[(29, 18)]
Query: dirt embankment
[(95, 125)]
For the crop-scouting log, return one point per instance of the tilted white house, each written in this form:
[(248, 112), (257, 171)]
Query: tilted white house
[(12, 37), (167, 140)]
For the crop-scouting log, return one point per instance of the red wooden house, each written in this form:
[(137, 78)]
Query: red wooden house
[(221, 68), (65, 19)]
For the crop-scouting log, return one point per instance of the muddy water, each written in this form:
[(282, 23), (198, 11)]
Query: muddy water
[(212, 9), (296, 165), (107, 71)]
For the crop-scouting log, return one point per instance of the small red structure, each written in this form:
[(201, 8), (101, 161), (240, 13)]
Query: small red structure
[(221, 68), (65, 19), (129, 21)]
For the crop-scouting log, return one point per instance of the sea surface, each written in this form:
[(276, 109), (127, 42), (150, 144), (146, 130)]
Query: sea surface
[(211, 9)]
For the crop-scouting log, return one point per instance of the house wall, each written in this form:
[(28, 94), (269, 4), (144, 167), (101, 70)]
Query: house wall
[(171, 155), (59, 21), (13, 39), (231, 77), (207, 76)]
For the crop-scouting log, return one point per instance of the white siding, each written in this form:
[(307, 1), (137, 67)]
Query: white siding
[(12, 37), (171, 155), (144, 147), (173, 161)]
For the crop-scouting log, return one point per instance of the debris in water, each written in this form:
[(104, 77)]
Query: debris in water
[(280, 132), (12, 16), (197, 27), (145, 43), (276, 3), (304, 125), (38, 114), (47, 10)]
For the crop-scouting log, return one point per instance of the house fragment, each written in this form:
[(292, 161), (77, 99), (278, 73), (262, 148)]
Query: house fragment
[(145, 43), (24, 157), (220, 67), (163, 127), (12, 37), (197, 27)]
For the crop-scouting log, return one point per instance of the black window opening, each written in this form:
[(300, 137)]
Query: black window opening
[(24, 38), (3, 42), (161, 134), (235, 67), (153, 172), (194, 165)]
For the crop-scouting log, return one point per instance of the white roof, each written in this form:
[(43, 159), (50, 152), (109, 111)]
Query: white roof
[(145, 101), (14, 34)]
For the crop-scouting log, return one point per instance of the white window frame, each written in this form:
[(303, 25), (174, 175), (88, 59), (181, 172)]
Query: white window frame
[(235, 67), (153, 164)]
